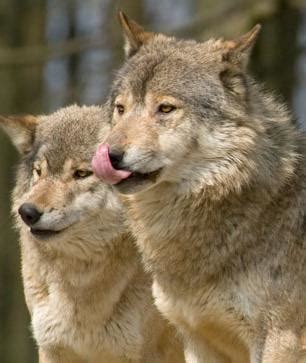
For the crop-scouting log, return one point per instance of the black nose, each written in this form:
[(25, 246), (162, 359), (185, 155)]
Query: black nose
[(116, 157), (29, 213)]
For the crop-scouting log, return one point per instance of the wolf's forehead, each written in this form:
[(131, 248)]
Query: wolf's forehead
[(170, 72), (59, 144), (136, 74), (71, 133), (59, 158)]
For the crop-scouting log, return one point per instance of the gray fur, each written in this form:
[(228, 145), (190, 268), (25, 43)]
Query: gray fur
[(85, 288), (222, 226)]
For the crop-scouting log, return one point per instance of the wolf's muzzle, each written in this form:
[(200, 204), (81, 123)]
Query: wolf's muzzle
[(29, 213), (103, 168), (116, 158)]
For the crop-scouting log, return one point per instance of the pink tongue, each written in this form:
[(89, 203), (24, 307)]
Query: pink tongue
[(103, 168)]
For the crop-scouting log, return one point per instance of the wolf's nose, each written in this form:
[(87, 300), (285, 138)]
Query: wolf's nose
[(116, 157), (29, 213)]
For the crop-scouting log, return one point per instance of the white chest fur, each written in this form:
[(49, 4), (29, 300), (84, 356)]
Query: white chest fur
[(89, 324)]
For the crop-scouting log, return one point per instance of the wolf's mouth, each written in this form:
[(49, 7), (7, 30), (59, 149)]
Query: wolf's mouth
[(122, 179), (137, 182), (44, 233), (140, 177)]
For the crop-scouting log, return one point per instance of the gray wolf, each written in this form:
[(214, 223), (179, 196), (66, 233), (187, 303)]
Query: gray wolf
[(88, 296), (213, 173)]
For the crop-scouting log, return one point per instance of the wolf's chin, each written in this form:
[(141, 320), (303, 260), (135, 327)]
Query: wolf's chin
[(44, 234), (137, 182)]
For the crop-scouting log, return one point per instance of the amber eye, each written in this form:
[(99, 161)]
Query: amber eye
[(164, 108), (120, 109), (81, 174)]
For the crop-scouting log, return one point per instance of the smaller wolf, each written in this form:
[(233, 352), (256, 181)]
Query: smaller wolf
[(215, 176), (89, 299)]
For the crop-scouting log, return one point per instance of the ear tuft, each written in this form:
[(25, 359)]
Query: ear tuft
[(235, 83), (21, 131), (134, 34)]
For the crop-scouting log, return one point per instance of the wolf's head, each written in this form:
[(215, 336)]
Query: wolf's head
[(183, 111), (57, 200)]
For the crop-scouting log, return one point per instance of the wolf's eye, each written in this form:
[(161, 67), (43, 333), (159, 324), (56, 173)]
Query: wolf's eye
[(164, 108), (80, 174), (120, 109)]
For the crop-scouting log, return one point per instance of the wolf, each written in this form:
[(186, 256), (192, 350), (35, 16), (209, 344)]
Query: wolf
[(213, 173), (88, 295)]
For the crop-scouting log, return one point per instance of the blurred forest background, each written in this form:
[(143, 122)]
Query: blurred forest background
[(57, 52)]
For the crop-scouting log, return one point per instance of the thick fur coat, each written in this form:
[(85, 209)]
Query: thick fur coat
[(88, 296), (215, 185)]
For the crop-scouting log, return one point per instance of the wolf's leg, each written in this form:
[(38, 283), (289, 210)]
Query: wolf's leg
[(198, 351), (57, 356), (280, 346)]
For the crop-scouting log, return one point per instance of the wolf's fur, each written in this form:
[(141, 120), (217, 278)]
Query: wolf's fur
[(89, 299), (217, 195)]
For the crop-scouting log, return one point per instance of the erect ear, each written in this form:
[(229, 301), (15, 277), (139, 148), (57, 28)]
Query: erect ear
[(134, 34), (21, 130), (235, 56), (238, 51)]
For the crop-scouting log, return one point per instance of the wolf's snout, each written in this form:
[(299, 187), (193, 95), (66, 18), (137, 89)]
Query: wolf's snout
[(103, 164), (115, 157), (29, 213)]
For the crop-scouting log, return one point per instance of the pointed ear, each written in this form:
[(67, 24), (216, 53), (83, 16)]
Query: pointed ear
[(21, 130), (238, 51), (134, 34), (235, 56)]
